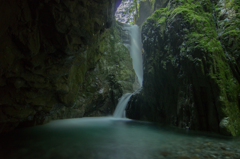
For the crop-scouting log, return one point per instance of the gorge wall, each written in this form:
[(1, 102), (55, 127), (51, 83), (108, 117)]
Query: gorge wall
[(60, 59), (191, 67)]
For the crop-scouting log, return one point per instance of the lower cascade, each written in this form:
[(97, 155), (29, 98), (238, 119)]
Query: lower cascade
[(119, 111)]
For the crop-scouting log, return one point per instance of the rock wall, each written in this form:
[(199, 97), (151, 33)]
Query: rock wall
[(191, 67), (59, 59), (112, 76), (146, 8)]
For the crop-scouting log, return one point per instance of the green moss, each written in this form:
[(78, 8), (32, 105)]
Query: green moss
[(229, 28), (157, 14), (77, 74), (229, 35)]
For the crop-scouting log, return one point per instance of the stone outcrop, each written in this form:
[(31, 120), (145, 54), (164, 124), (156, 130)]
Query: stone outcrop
[(59, 59), (191, 67)]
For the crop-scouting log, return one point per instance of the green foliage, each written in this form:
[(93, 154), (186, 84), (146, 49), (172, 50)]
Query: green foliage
[(229, 34)]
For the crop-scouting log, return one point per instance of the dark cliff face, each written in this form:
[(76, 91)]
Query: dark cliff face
[(56, 61), (191, 68)]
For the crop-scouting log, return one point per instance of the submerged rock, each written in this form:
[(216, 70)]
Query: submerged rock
[(224, 124)]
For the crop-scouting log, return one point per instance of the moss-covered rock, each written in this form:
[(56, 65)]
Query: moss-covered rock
[(188, 81)]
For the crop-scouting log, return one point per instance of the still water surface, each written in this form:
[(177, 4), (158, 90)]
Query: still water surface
[(111, 138)]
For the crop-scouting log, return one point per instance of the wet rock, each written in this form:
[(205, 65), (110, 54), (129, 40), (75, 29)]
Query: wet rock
[(195, 157), (229, 154), (183, 157), (224, 126), (165, 154), (197, 150)]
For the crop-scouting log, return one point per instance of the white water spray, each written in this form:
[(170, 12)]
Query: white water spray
[(121, 106), (135, 48)]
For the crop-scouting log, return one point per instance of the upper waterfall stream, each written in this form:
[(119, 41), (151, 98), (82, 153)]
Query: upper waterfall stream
[(135, 50)]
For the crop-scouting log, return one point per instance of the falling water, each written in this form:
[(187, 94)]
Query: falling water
[(135, 48), (119, 111)]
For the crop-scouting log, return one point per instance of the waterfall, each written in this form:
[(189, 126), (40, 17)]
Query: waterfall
[(135, 49), (134, 45), (121, 106)]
